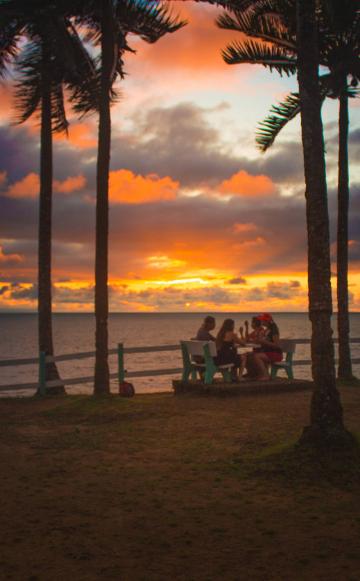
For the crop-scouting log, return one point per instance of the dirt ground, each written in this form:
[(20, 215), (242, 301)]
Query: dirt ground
[(173, 488)]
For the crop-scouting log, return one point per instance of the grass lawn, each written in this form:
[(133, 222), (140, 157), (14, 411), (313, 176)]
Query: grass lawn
[(164, 488)]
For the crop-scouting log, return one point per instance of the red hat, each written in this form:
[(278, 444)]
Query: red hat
[(265, 317)]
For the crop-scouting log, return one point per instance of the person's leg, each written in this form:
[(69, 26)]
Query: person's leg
[(243, 359), (251, 368), (262, 364)]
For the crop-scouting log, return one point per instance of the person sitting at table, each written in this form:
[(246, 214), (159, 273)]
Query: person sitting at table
[(256, 334), (203, 333), (226, 342), (269, 350)]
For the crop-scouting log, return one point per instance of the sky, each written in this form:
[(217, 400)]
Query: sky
[(200, 219)]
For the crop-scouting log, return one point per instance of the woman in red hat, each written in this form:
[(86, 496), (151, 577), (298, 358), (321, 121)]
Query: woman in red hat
[(269, 351)]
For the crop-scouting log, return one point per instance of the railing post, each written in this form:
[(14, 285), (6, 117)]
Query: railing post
[(121, 370), (42, 373)]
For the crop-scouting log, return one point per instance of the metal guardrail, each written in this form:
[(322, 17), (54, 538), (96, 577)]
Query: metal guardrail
[(121, 373)]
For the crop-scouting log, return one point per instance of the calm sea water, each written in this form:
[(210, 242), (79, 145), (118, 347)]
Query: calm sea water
[(75, 333)]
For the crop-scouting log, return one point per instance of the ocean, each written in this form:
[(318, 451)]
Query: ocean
[(75, 333)]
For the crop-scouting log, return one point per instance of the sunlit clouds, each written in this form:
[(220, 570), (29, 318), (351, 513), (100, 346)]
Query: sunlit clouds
[(71, 184), (199, 219), (125, 187), (28, 187), (82, 136), (243, 184)]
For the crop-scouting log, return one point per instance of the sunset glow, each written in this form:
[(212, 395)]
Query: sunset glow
[(199, 219)]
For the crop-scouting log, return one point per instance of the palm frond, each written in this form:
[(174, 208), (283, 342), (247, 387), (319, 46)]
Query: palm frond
[(264, 29), (10, 34), (58, 114), (279, 116), (28, 84), (149, 20), (251, 52)]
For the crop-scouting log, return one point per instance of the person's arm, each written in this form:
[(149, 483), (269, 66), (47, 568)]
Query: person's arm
[(238, 340), (246, 331), (266, 343)]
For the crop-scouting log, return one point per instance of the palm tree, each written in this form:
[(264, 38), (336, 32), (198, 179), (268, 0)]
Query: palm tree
[(326, 418), (109, 22), (339, 52), (326, 422), (41, 45)]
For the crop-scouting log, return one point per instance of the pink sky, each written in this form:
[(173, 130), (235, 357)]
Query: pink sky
[(200, 220)]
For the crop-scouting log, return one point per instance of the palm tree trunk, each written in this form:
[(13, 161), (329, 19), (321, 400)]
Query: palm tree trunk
[(345, 367), (102, 377), (45, 229), (326, 417)]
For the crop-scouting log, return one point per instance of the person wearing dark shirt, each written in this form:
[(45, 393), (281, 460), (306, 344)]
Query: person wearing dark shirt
[(226, 342), (203, 333)]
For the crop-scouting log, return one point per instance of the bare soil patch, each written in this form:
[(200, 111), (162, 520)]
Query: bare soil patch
[(161, 487)]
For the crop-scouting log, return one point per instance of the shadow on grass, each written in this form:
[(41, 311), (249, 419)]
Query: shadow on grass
[(353, 382), (297, 465)]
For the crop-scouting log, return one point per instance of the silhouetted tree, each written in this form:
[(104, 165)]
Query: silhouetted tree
[(298, 47), (109, 22), (38, 41)]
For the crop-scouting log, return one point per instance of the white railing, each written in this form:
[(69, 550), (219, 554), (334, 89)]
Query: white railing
[(121, 372)]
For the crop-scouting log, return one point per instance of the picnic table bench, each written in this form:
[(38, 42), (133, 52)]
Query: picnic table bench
[(198, 359)]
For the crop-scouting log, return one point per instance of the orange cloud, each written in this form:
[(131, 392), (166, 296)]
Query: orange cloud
[(244, 184), (197, 46), (240, 228), (126, 187), (3, 176), (6, 102), (28, 187), (71, 184), (80, 136)]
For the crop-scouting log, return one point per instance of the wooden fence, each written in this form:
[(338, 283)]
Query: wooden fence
[(121, 373)]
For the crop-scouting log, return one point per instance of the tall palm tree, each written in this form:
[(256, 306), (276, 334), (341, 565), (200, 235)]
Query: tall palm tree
[(326, 418), (297, 48), (109, 22), (339, 52), (39, 43)]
